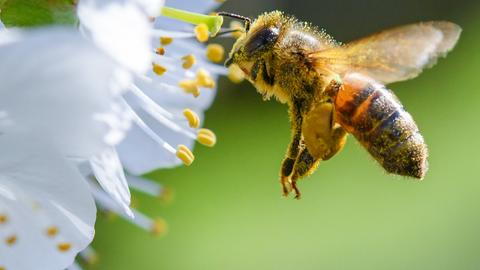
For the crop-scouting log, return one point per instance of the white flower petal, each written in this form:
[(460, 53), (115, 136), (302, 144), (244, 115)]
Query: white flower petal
[(120, 28), (2, 26), (152, 7), (140, 154), (39, 190), (60, 84), (109, 173)]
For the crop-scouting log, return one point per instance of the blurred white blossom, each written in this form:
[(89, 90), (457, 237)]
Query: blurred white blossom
[(67, 100), (60, 104)]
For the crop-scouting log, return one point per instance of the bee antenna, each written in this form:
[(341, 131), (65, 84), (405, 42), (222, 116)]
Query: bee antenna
[(247, 20)]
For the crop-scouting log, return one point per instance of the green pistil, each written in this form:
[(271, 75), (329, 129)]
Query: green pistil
[(214, 23)]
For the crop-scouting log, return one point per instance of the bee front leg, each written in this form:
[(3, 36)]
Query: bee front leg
[(294, 147)]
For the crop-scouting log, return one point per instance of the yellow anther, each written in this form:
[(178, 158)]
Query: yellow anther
[(159, 70), (160, 51), (192, 118), (201, 32), (220, 1), (3, 219), (166, 195), (185, 155), (236, 25), (2, 268), (188, 61), (159, 226), (204, 79), (110, 215), (166, 40), (190, 87), (215, 53), (11, 240), (206, 137), (52, 231), (92, 258), (134, 203), (236, 74), (64, 247)]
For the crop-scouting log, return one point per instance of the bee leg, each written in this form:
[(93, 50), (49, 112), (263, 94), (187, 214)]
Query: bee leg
[(294, 147), (304, 165)]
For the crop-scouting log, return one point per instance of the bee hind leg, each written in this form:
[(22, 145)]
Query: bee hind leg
[(304, 166), (287, 168)]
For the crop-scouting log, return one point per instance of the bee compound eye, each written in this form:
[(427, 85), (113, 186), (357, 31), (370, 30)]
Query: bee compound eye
[(262, 39)]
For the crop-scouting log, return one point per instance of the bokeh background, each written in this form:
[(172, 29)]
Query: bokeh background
[(228, 212)]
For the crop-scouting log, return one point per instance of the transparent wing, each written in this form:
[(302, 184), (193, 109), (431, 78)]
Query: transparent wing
[(392, 55)]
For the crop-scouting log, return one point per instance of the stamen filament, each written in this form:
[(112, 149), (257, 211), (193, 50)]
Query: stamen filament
[(143, 185)]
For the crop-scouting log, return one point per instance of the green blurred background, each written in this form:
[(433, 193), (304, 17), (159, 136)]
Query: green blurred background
[(228, 212)]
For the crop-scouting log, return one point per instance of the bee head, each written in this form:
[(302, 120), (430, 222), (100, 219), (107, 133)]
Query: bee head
[(258, 39)]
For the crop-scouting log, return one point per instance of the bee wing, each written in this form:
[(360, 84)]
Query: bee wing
[(392, 55)]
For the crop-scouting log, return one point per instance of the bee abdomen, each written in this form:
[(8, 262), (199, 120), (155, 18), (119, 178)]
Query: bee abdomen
[(377, 119), (397, 145)]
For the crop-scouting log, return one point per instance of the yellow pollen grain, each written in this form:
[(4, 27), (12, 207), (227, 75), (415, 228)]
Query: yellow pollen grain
[(188, 61), (2, 268), (190, 87), (206, 137), (204, 79), (52, 231), (185, 155), (236, 25), (158, 69), (11, 240), (215, 52), (235, 74), (166, 41), (192, 118), (64, 247), (159, 227), (201, 32), (160, 51), (3, 219)]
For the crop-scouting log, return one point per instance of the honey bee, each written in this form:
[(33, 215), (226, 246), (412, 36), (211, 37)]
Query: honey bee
[(333, 89)]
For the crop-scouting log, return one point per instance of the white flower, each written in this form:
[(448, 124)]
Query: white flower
[(72, 111), (60, 104)]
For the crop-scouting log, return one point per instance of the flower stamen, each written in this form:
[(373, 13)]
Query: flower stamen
[(185, 155), (201, 32), (158, 69), (188, 61), (159, 227), (52, 231), (64, 247), (192, 118), (190, 87), (204, 79), (166, 40), (11, 240), (215, 53), (206, 137), (3, 219), (160, 51)]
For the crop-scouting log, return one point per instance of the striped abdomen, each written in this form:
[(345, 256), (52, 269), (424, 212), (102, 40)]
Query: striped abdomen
[(378, 121)]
